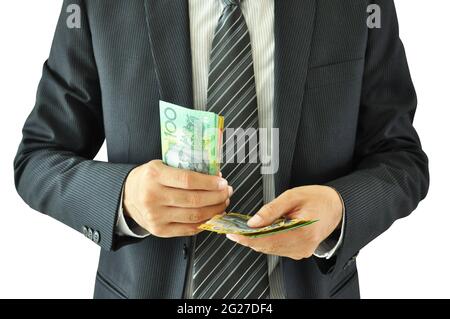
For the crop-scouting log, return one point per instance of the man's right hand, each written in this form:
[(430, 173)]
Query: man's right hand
[(172, 202)]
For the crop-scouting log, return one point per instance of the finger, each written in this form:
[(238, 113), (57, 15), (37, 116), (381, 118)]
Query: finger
[(184, 179), (174, 197), (262, 245), (277, 244), (251, 242), (195, 215), (270, 212), (176, 230), (240, 239)]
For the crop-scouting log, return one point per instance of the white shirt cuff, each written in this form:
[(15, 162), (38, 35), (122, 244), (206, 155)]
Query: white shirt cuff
[(328, 247), (124, 229)]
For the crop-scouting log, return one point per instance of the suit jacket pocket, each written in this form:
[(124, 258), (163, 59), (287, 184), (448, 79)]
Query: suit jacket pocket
[(335, 73), (105, 289), (344, 283)]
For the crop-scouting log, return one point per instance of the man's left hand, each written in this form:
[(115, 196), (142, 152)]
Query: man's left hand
[(315, 202)]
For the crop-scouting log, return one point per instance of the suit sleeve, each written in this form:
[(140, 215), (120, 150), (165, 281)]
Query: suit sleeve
[(390, 174), (54, 168)]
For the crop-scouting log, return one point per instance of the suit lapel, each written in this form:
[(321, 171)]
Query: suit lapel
[(294, 25), (169, 35)]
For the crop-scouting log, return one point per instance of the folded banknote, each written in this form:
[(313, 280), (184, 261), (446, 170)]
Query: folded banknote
[(234, 223)]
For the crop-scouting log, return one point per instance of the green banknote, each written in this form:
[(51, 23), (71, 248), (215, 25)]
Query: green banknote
[(234, 223), (191, 139)]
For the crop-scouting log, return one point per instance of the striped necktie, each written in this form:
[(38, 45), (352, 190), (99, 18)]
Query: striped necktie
[(222, 268)]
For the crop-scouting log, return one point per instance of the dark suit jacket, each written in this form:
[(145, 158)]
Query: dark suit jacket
[(344, 103)]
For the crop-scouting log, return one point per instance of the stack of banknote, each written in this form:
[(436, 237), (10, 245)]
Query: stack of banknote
[(192, 140), (233, 223)]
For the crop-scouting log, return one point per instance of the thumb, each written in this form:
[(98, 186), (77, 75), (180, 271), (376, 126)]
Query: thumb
[(270, 212)]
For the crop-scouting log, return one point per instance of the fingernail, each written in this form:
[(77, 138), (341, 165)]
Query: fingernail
[(230, 190), (220, 174), (231, 237), (255, 221), (222, 183), (227, 202)]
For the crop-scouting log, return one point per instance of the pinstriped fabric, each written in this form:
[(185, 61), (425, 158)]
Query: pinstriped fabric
[(224, 269), (78, 182), (59, 177)]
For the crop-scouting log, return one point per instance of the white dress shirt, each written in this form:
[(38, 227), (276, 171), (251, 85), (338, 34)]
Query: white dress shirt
[(259, 15)]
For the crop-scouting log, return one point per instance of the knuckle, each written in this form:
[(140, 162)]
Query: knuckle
[(151, 170)]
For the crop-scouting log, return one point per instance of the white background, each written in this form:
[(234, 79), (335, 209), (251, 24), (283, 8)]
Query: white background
[(41, 258)]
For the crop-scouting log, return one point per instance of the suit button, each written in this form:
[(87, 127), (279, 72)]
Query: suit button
[(85, 231), (96, 237), (89, 234)]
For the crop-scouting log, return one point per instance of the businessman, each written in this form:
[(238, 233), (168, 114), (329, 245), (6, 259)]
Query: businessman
[(337, 91)]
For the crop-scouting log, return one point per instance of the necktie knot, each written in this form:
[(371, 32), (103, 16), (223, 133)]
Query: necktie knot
[(231, 2)]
